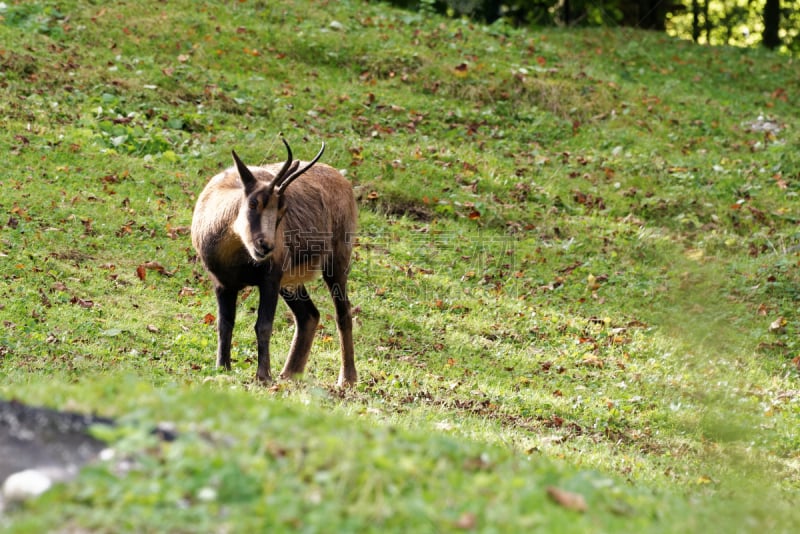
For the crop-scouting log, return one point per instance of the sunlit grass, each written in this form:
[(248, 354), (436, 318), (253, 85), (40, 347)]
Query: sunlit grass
[(572, 248)]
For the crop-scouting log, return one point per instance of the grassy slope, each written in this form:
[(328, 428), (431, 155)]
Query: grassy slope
[(572, 247)]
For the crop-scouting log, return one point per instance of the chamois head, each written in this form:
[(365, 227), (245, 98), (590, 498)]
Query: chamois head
[(263, 204)]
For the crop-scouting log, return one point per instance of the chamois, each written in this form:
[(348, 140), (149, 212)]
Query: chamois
[(276, 227)]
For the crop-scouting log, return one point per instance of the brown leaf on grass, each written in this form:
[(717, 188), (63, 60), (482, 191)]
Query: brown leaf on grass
[(124, 230), (780, 94), (141, 270), (175, 231), (590, 360), (153, 329), (461, 69), (554, 422), (569, 268), (82, 303), (187, 292), (588, 200), (209, 318), (20, 212), (22, 139), (567, 499)]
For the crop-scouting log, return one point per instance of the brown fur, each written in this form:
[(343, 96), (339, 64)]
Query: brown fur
[(314, 236)]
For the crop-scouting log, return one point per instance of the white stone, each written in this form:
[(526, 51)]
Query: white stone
[(26, 484)]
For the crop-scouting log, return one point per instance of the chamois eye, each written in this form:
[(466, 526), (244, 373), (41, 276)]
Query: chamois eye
[(253, 204)]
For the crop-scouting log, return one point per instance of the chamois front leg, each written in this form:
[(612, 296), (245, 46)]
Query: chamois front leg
[(226, 309), (268, 301)]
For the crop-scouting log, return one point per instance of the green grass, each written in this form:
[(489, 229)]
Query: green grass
[(572, 247)]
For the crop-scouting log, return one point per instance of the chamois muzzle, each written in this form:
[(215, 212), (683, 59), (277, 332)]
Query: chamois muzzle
[(262, 249)]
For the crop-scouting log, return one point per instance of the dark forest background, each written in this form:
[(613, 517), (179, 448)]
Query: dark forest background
[(774, 24)]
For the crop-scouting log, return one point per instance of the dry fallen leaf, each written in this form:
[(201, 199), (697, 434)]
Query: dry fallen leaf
[(778, 326), (141, 270), (186, 292), (174, 232), (590, 360), (567, 499)]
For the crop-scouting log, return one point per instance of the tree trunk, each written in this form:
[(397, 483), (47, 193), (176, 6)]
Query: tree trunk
[(772, 24)]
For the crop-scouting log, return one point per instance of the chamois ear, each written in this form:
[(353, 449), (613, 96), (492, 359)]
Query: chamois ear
[(248, 180)]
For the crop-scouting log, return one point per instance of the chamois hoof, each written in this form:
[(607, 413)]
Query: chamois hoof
[(347, 380), (265, 380), (286, 375)]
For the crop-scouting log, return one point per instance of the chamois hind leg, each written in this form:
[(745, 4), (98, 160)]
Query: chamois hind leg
[(337, 285), (306, 319), (226, 309)]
